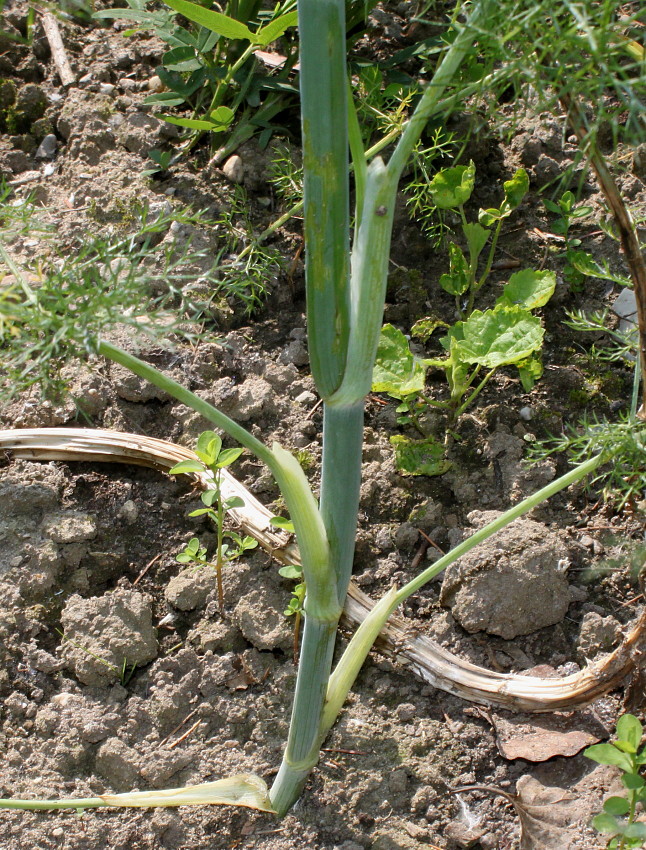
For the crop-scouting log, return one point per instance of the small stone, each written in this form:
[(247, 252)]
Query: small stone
[(126, 84), (525, 414), (107, 88), (305, 398), (47, 148), (69, 527), (155, 84), (233, 169), (129, 512)]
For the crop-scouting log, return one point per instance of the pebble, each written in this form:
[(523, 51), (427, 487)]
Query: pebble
[(525, 413), (47, 148), (155, 84), (126, 84), (107, 88), (233, 169)]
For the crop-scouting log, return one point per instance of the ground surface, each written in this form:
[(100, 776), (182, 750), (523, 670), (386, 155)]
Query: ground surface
[(89, 550)]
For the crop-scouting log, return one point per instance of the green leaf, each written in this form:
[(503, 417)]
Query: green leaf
[(208, 444), (248, 543), (419, 457), (215, 21), (608, 754), (291, 571), (516, 188), (227, 457), (185, 466), (233, 502), (488, 217), (244, 789), (587, 265), (202, 511), (457, 280), (275, 29), (397, 371), (635, 830), (182, 59), (193, 546), (630, 731), (633, 781), (166, 98), (616, 806), (190, 123), (496, 338), (184, 558), (606, 823), (222, 116), (283, 523), (528, 289), (209, 497), (476, 237), (452, 187), (530, 370)]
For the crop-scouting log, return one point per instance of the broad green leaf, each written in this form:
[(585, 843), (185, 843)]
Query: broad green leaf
[(457, 280), (488, 217), (616, 806), (452, 187), (633, 781), (607, 754), (528, 289), (233, 502), (193, 546), (496, 337), (397, 371), (476, 237), (201, 512), (166, 98), (419, 457), (228, 27), (185, 466), (209, 497), (184, 558), (630, 731), (423, 328), (516, 188), (227, 457), (243, 789), (586, 264), (606, 823), (275, 29)]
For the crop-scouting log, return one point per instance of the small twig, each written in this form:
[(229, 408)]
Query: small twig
[(186, 734), (178, 727), (314, 409), (432, 542), (345, 752), (53, 34), (419, 555), (146, 568)]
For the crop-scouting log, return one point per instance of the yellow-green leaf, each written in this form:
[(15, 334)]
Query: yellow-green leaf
[(244, 789)]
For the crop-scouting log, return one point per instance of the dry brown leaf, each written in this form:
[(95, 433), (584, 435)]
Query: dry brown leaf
[(541, 738)]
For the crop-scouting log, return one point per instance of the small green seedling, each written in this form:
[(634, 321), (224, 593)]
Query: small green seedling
[(295, 573), (123, 673), (568, 211), (618, 818), (212, 458)]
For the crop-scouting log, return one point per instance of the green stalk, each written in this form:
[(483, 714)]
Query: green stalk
[(323, 85), (356, 652)]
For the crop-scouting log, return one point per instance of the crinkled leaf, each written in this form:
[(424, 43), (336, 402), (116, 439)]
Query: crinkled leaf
[(608, 754), (419, 457), (275, 29), (530, 370), (215, 21), (423, 329), (516, 188), (186, 466), (630, 731), (496, 337), (476, 237), (397, 371), (452, 187), (457, 280), (528, 289)]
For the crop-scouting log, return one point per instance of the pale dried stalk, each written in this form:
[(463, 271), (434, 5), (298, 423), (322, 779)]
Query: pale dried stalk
[(429, 661), (53, 35)]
